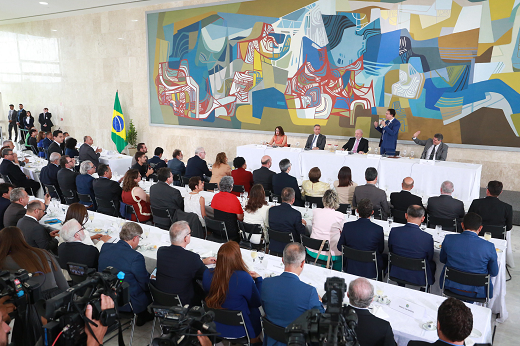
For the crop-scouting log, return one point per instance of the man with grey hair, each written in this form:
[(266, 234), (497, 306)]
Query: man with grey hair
[(283, 180), (370, 191), (227, 208), (123, 256), (15, 173), (16, 210), (49, 174), (264, 175), (197, 166), (370, 330), (73, 249), (86, 152), (10, 145), (179, 269), (84, 183), (357, 144), (286, 297), (316, 141), (36, 234), (445, 206)]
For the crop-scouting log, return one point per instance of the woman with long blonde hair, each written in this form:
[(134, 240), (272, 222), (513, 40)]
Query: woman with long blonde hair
[(220, 168)]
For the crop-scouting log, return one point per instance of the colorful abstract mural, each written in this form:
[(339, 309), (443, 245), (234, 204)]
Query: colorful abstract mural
[(446, 66)]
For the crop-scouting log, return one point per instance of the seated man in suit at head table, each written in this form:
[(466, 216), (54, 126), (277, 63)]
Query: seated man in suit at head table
[(492, 210), (370, 191), (283, 180), (357, 144), (445, 206), (316, 141), (264, 175), (434, 148), (403, 199)]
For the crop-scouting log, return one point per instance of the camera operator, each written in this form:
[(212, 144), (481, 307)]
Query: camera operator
[(5, 329), (6, 308)]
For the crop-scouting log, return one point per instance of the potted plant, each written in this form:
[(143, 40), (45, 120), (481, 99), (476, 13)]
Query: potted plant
[(131, 138)]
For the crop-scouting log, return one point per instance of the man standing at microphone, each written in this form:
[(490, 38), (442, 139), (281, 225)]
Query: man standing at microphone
[(390, 130)]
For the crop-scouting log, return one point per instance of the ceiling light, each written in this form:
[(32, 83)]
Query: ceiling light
[(43, 3)]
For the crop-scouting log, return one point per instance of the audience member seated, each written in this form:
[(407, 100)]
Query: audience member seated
[(135, 196), (70, 147), (176, 165), (357, 144), (5, 200), (107, 189), (445, 206), (227, 207), (36, 234), (163, 195), (220, 168), (86, 152), (141, 165), (370, 330), (286, 297), (157, 161), (256, 211), (49, 174), (264, 175), (32, 142), (316, 141), (57, 145), (179, 269), (73, 249), (9, 145), (469, 253), (454, 324), (43, 143), (16, 254), (84, 183), (327, 224), (283, 180), (240, 175), (410, 241), (345, 186), (364, 235), (79, 213), (16, 210), (370, 191), (284, 218), (193, 201), (232, 286), (314, 187), (123, 256), (403, 199), (14, 172), (141, 147), (279, 139), (492, 210), (67, 176), (197, 166)]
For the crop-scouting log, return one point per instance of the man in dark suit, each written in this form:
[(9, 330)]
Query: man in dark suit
[(370, 330), (123, 256), (284, 218), (469, 253), (16, 210), (49, 174), (57, 145), (434, 148), (179, 269), (107, 189), (454, 324), (316, 141), (197, 166), (264, 175), (372, 192), (366, 236), (402, 200), (67, 177), (357, 144), (12, 118), (22, 114), (492, 210), (176, 165), (283, 180), (164, 196), (36, 234), (84, 183), (15, 174), (87, 153), (45, 120), (410, 241), (5, 201), (390, 131), (157, 161), (73, 249), (286, 297), (445, 206)]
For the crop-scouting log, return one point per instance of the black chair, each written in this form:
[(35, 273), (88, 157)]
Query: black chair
[(6, 179), (162, 300), (378, 214), (464, 278), (69, 196), (282, 237), (246, 232), (129, 209), (177, 178), (230, 220), (218, 230), (162, 218), (360, 256), (317, 200), (51, 190), (446, 224), (231, 318), (86, 199), (238, 188), (399, 216), (416, 264), (498, 232), (210, 186), (344, 207), (273, 331), (108, 205), (315, 244), (46, 151), (185, 181)]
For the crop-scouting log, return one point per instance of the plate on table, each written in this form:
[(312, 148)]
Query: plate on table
[(475, 333), (437, 245)]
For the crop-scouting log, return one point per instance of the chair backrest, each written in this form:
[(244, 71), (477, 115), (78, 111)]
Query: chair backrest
[(69, 195), (107, 204), (161, 217), (282, 237), (343, 208), (217, 227), (399, 216), (163, 298), (246, 232), (239, 188), (274, 331), (7, 179), (464, 278), (360, 256), (177, 177), (85, 198), (129, 209), (498, 232), (51, 190), (446, 224), (317, 200), (378, 214), (210, 186), (314, 244), (229, 318), (416, 264), (185, 181)]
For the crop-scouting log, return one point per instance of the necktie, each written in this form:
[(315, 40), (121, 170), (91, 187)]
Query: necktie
[(314, 141), (355, 146), (432, 153)]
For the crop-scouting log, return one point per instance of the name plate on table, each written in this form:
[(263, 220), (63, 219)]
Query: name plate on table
[(296, 149), (341, 152), (372, 156), (407, 308), (426, 162), (261, 146)]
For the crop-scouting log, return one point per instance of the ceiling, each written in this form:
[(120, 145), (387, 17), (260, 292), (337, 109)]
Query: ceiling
[(12, 11)]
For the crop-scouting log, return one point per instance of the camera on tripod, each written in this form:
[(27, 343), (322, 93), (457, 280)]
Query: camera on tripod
[(334, 327)]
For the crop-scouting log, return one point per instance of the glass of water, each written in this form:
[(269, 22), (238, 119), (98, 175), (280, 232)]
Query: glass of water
[(438, 230), (261, 256), (423, 226), (307, 205), (275, 200), (404, 153), (390, 219), (314, 206), (412, 154)]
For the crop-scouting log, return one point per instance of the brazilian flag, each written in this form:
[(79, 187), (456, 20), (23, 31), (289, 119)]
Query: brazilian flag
[(118, 126)]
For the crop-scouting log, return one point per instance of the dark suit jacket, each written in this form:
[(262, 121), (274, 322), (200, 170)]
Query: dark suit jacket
[(159, 163), (163, 196), (320, 141), (177, 272), (375, 195), (13, 213), (176, 166), (442, 150), (264, 176), (28, 123), (122, 257), (67, 180), (84, 184), (45, 119), (87, 153), (372, 330), (283, 180), (37, 235), (390, 134), (363, 144), (493, 211), (22, 114), (284, 218), (108, 190), (49, 176), (410, 241), (446, 207), (4, 204), (197, 167), (55, 148), (14, 172), (424, 343), (78, 252), (285, 298), (403, 199)]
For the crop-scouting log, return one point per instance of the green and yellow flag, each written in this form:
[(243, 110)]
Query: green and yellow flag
[(118, 126)]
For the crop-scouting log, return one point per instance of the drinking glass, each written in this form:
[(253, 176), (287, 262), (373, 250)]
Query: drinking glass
[(216, 189), (261, 256), (314, 206), (349, 211), (412, 154), (390, 219), (246, 195), (275, 200), (297, 144), (438, 230), (404, 153), (254, 254), (375, 151), (307, 205), (423, 226), (267, 199), (487, 236)]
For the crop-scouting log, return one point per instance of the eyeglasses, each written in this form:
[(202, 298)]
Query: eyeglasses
[(81, 229)]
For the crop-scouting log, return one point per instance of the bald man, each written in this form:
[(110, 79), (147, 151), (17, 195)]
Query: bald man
[(357, 144), (264, 175), (402, 200)]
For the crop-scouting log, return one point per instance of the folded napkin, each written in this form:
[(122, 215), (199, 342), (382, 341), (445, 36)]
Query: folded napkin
[(378, 311)]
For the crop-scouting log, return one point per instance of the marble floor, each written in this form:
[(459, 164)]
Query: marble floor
[(505, 334)]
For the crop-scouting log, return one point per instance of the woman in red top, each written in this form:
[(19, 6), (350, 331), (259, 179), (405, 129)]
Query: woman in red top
[(135, 196), (279, 139), (227, 208), (240, 175)]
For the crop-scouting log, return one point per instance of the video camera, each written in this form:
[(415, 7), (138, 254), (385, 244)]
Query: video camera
[(21, 287), (334, 327)]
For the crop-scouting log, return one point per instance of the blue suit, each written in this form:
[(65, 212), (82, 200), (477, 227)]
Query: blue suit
[(197, 167), (84, 186), (177, 167), (469, 253), (366, 236), (159, 163), (390, 133), (284, 218), (122, 257), (285, 298), (283, 180), (49, 176), (410, 241)]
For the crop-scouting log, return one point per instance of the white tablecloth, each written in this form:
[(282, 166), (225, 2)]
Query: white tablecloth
[(118, 163), (32, 170)]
